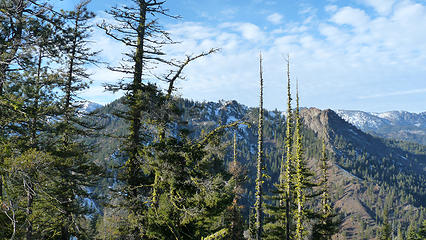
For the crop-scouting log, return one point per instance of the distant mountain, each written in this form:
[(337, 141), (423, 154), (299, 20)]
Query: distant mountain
[(89, 107), (400, 125), (369, 175)]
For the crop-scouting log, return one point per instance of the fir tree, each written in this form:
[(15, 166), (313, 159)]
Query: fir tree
[(385, 230), (299, 177), (327, 224), (76, 172), (148, 107), (139, 30), (192, 195), (260, 170), (280, 214), (285, 178), (238, 177)]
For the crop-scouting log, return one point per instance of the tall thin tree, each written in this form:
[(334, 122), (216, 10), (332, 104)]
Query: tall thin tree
[(73, 123), (260, 164), (299, 176), (136, 26), (287, 168)]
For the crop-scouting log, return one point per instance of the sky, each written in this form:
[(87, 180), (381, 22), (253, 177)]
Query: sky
[(367, 55)]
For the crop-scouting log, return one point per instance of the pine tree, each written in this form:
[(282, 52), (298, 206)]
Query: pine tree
[(260, 167), (28, 176), (138, 28), (412, 232), (286, 176), (421, 234), (327, 224), (76, 172), (27, 43), (18, 19), (238, 178), (299, 177), (385, 231), (34, 86), (280, 215), (192, 192)]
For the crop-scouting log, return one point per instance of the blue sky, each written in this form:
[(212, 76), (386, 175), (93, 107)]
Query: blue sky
[(361, 55)]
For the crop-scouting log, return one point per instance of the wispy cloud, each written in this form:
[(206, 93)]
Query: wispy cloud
[(397, 93), (275, 18), (382, 7), (338, 56)]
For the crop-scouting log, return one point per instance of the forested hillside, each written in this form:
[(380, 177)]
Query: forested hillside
[(372, 178), (152, 165)]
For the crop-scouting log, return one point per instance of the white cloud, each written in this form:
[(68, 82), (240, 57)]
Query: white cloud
[(351, 16), (249, 31), (330, 8), (397, 93), (350, 54), (275, 18), (383, 7)]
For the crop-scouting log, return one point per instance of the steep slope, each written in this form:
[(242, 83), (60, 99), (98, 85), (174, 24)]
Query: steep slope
[(377, 175), (368, 174), (400, 125)]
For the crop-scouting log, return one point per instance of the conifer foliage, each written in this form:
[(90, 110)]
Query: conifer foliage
[(167, 178), (328, 223), (260, 162), (280, 210)]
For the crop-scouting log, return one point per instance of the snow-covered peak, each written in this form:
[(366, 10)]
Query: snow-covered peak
[(90, 106), (373, 120), (362, 120)]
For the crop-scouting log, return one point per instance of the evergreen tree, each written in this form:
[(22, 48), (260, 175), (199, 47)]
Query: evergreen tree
[(137, 28), (280, 214), (28, 176), (385, 230), (148, 106), (327, 224), (260, 164), (413, 234), (285, 178), (299, 177), (421, 234), (238, 173), (33, 86), (18, 21), (76, 172), (192, 192)]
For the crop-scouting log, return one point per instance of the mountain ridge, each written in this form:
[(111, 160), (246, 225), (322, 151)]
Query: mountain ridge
[(368, 173), (401, 125)]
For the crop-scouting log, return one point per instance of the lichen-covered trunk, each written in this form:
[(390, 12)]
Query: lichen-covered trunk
[(259, 179), (287, 166), (136, 104)]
